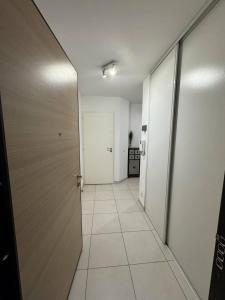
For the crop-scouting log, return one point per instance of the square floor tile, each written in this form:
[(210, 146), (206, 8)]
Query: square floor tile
[(83, 262), (123, 195), (104, 195), (135, 194), (127, 206), (142, 247), (133, 222), (88, 196), (78, 288), (133, 179), (87, 207), (121, 186), (102, 207), (110, 284), (87, 224), (89, 188), (106, 223), (107, 250), (104, 187), (155, 281), (133, 186)]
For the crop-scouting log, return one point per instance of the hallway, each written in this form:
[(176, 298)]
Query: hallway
[(112, 165), (122, 258)]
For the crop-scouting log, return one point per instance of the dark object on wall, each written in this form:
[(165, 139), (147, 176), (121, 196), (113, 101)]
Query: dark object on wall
[(133, 162), (217, 289), (144, 128), (130, 138)]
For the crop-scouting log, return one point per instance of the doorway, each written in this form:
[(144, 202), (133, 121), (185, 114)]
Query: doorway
[(98, 141)]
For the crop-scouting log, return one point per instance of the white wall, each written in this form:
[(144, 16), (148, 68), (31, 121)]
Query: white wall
[(120, 108), (135, 122), (144, 137)]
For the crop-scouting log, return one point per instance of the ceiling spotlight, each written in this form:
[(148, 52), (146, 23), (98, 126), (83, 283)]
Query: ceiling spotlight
[(109, 70)]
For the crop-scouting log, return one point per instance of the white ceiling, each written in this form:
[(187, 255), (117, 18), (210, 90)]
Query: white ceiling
[(135, 33)]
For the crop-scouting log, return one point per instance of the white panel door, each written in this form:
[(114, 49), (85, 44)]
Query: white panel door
[(160, 127), (98, 136), (200, 150)]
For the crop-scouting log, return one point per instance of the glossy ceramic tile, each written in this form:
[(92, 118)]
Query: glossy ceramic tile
[(155, 281), (102, 207), (110, 284), (104, 195), (78, 288), (83, 262), (142, 247), (106, 223), (123, 195), (104, 187), (88, 196), (87, 224), (133, 222), (89, 188), (107, 250), (127, 206), (122, 186), (87, 207)]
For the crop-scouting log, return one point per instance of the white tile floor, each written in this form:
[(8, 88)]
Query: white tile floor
[(122, 257)]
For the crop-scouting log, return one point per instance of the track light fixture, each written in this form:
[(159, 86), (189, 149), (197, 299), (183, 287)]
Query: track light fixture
[(109, 70)]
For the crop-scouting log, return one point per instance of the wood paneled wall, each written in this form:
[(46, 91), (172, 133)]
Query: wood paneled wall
[(38, 88)]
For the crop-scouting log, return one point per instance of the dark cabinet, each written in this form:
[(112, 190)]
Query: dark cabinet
[(133, 162)]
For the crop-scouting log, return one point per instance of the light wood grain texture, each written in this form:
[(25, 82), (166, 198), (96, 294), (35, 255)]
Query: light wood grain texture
[(39, 96)]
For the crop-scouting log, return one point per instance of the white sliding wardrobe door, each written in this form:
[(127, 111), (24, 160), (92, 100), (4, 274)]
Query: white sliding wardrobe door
[(98, 136), (160, 127), (200, 150)]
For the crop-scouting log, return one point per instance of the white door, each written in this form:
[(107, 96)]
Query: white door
[(199, 161), (98, 136), (160, 128)]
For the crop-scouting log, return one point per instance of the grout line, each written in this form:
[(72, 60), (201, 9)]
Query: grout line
[(127, 265), (117, 212), (104, 233), (90, 246), (126, 253)]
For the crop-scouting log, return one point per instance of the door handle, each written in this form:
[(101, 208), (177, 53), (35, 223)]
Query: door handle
[(109, 149)]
